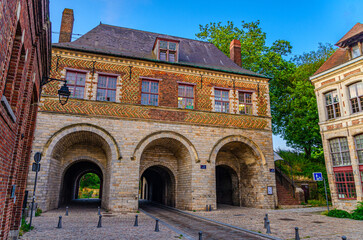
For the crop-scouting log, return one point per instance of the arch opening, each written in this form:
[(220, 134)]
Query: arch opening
[(227, 186), (237, 174), (88, 186), (71, 182), (158, 185)]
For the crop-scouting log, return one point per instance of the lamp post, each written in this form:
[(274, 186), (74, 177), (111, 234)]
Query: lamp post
[(63, 92), (36, 168)]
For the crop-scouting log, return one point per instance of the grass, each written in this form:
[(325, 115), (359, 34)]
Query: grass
[(24, 227)]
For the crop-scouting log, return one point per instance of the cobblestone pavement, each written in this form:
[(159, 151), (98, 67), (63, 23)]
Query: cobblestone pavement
[(82, 224), (311, 224)]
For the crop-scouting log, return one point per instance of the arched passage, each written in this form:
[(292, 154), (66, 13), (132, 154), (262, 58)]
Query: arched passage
[(71, 178), (168, 158), (227, 185), (158, 185)]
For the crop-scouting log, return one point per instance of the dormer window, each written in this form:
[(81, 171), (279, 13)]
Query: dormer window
[(355, 51), (167, 50)]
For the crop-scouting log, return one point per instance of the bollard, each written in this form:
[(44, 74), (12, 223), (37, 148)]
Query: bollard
[(99, 210), (136, 221), (206, 208), (268, 227), (297, 237), (344, 238), (99, 221), (265, 222), (210, 208), (60, 222), (157, 225), (200, 235), (66, 211)]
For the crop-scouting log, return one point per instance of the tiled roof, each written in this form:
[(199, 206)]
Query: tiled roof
[(133, 43), (339, 57), (356, 30)]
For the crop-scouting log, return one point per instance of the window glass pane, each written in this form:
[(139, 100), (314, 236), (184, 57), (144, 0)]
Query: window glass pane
[(360, 88), (71, 78), (145, 99), (112, 82), (111, 95), (181, 90), (225, 107), (218, 106), (241, 97), (172, 45), (102, 81), (145, 86), (189, 103), (217, 95), (328, 99), (162, 56), (79, 92), (225, 96), (101, 94), (154, 87), (248, 97), (163, 44), (355, 51), (154, 100), (171, 57), (189, 91), (81, 79)]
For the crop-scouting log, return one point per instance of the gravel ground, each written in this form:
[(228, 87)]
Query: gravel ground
[(311, 224), (82, 224)]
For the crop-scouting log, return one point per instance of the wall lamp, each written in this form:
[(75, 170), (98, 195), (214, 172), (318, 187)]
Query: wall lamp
[(63, 92)]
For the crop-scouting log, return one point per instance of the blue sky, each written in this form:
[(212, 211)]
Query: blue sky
[(303, 23)]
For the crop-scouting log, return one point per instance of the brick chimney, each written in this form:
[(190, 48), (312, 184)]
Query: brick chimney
[(235, 52), (66, 26)]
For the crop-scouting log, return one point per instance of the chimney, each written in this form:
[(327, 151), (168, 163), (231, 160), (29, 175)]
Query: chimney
[(235, 52), (66, 26)]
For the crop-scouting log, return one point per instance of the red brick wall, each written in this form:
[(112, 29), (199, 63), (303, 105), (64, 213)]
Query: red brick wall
[(24, 56)]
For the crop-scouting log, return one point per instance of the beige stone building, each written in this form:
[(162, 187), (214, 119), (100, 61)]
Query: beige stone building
[(339, 91), (156, 117)]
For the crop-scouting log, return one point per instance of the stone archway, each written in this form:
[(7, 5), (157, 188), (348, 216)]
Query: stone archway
[(166, 152)]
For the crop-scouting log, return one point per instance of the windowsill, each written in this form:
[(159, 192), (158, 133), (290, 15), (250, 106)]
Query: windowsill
[(8, 109)]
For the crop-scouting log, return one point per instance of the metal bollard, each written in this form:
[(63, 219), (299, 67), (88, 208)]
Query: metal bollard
[(265, 221), (297, 237), (200, 235), (99, 210), (210, 208), (99, 221), (344, 238), (268, 227), (66, 211), (157, 225), (136, 221), (206, 208), (60, 222)]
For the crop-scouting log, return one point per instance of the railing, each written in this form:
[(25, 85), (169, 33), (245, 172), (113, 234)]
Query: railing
[(285, 181)]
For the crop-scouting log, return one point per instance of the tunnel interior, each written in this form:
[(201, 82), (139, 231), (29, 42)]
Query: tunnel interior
[(71, 181), (157, 184), (227, 186)]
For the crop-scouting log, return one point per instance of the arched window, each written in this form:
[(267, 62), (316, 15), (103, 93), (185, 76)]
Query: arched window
[(356, 97)]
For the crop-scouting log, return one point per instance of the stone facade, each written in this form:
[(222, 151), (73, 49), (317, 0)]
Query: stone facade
[(24, 60), (171, 152), (345, 124)]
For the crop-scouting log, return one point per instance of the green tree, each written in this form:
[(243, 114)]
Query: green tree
[(90, 180), (295, 115)]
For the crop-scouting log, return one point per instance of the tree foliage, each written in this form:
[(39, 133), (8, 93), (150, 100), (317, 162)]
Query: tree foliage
[(293, 102), (90, 180)]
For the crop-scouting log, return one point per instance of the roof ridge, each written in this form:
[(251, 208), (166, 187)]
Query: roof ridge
[(133, 29)]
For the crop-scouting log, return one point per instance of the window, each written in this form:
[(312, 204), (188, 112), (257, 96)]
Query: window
[(332, 104), (339, 151), (356, 96), (359, 146), (149, 92), (76, 82), (186, 96), (106, 88), (345, 185), (245, 103), (167, 51), (221, 100), (355, 51)]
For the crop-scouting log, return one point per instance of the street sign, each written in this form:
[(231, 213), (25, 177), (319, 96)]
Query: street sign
[(203, 166), (269, 190), (37, 157), (318, 176), (272, 170), (36, 167)]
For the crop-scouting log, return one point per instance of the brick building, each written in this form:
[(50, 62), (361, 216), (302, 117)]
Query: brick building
[(24, 60), (339, 91), (156, 117)]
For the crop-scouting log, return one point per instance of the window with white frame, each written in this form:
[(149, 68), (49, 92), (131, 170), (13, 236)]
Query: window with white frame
[(106, 88), (356, 97), (339, 151), (359, 147), (245, 102), (221, 100), (332, 104), (76, 82)]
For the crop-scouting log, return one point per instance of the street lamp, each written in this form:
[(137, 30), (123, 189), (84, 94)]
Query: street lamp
[(35, 168), (63, 92)]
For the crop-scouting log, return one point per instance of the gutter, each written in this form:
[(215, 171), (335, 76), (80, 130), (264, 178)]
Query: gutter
[(157, 61)]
